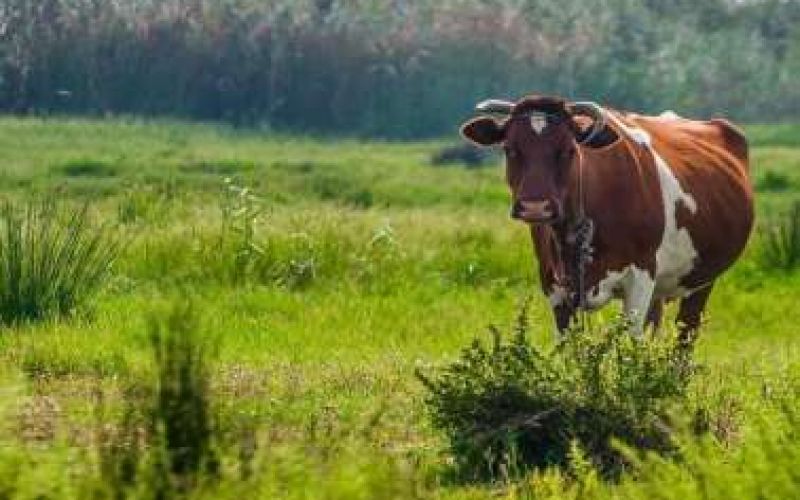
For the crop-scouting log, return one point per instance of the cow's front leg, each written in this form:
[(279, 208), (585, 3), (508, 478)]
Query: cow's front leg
[(563, 314), (638, 294), (563, 310), (655, 315)]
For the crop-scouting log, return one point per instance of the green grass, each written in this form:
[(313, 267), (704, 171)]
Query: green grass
[(353, 263)]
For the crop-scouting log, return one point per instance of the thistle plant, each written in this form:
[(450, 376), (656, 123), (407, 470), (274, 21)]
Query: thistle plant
[(241, 210)]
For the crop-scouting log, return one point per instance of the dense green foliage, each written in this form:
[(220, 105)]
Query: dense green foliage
[(513, 405), (394, 69), (322, 274)]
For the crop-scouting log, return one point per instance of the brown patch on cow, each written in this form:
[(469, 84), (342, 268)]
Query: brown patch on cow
[(628, 229)]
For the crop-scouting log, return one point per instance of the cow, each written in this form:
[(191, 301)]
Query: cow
[(647, 209)]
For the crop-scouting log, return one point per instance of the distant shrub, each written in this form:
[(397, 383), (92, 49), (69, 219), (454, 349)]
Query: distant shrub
[(51, 259), (86, 168), (512, 405), (773, 182), (464, 154), (780, 248)]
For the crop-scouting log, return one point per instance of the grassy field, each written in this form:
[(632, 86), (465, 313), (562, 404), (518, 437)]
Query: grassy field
[(320, 274)]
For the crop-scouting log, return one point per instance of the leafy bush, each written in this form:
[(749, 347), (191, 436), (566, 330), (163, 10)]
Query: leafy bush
[(512, 405), (51, 260), (780, 247)]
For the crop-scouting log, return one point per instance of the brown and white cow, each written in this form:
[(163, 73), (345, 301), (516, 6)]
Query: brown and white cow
[(669, 202)]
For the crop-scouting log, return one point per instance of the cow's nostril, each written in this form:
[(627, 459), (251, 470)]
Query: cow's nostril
[(542, 211)]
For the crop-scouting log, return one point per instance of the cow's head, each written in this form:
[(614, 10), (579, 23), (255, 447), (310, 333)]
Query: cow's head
[(540, 136)]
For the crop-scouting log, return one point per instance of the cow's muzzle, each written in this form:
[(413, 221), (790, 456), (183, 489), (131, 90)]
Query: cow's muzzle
[(536, 211)]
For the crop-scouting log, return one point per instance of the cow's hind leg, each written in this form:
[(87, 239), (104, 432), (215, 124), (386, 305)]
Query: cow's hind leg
[(690, 314)]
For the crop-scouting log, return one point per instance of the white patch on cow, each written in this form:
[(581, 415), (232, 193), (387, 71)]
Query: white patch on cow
[(634, 285), (606, 289), (639, 290), (558, 295), (538, 123), (676, 254), (637, 135), (670, 114)]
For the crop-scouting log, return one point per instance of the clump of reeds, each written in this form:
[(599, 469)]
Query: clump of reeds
[(52, 259)]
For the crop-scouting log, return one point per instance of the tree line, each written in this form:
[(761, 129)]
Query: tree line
[(394, 68)]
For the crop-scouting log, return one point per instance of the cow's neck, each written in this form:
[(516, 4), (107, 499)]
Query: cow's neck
[(565, 248), (564, 252)]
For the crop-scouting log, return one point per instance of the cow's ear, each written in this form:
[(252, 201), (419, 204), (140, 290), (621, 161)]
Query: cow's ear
[(484, 131)]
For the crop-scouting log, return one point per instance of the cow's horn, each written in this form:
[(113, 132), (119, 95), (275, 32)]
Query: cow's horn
[(495, 106), (594, 111)]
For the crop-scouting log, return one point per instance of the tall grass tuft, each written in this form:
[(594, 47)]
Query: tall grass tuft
[(51, 259), (780, 247), (182, 415), (164, 443)]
